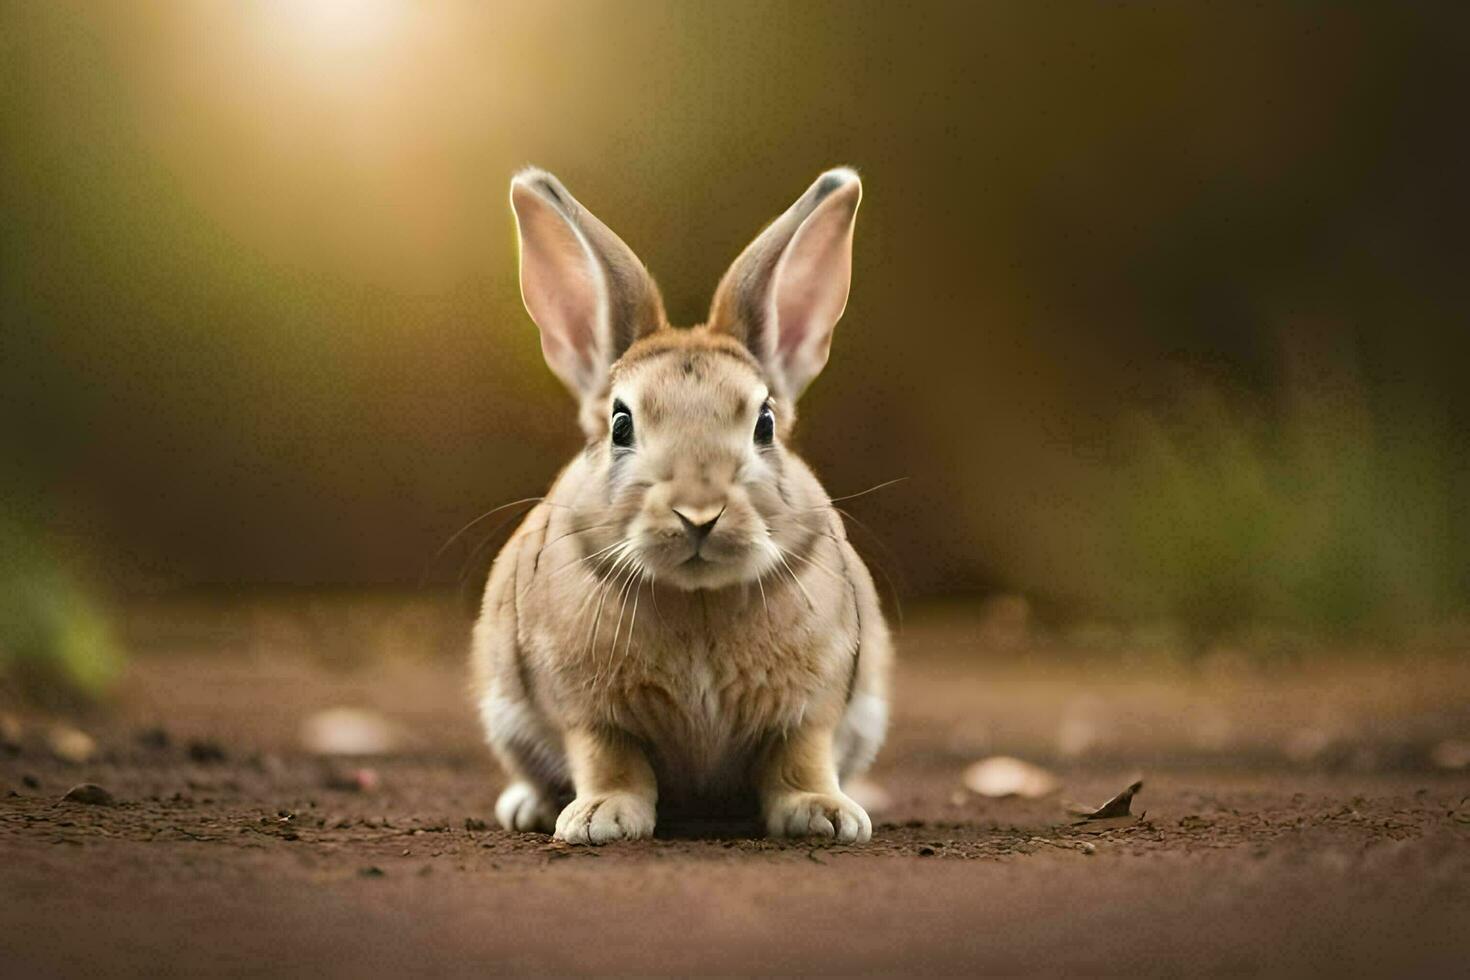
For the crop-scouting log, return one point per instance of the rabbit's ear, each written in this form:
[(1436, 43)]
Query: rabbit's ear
[(586, 290), (787, 290)]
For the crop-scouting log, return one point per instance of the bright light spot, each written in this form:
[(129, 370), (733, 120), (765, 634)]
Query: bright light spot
[(335, 26)]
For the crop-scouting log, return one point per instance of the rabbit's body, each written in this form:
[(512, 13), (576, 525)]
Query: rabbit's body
[(681, 621), (705, 680)]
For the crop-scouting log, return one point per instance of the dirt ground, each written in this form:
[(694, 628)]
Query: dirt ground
[(1297, 819)]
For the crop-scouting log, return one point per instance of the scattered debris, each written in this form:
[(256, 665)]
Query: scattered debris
[(1306, 744), (1002, 775), (349, 731), (868, 795), (1452, 753), (1081, 846), (71, 744), (475, 824), (360, 780), (1119, 806), (1107, 824), (206, 752), (155, 738), (11, 733), (90, 794)]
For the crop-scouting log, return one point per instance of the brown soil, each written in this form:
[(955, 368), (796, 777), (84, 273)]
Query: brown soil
[(1293, 821)]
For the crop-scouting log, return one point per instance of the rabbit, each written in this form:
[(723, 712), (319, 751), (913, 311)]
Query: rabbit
[(681, 624)]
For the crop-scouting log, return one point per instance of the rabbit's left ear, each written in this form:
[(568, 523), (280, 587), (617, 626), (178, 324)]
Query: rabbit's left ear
[(785, 293)]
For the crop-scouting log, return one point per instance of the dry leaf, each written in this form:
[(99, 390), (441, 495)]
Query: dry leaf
[(1001, 775), (1118, 806), (1089, 826)]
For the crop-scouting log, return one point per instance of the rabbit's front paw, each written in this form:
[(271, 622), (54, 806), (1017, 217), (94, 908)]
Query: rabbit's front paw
[(599, 819), (817, 815), (522, 807)]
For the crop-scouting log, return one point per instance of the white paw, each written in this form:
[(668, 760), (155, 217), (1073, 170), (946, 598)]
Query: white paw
[(818, 815), (522, 807), (599, 819)]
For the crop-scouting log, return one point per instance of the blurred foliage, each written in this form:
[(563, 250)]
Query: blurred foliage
[(1299, 520), (56, 642)]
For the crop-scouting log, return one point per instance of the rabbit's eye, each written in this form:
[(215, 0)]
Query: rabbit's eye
[(765, 426), (622, 425)]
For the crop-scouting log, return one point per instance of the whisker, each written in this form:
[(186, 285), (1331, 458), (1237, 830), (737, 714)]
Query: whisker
[(873, 562), (795, 581), (628, 650), (429, 565), (479, 549), (812, 561), (863, 493), (597, 620), (612, 650), (489, 513), (599, 575), (653, 594), (578, 530), (586, 558)]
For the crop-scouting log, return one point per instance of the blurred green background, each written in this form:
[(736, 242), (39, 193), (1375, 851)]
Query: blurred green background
[(1162, 309)]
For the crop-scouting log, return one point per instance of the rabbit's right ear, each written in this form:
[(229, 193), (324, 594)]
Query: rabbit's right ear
[(785, 293), (586, 290)]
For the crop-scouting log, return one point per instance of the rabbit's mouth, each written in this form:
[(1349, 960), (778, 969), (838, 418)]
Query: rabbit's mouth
[(704, 571)]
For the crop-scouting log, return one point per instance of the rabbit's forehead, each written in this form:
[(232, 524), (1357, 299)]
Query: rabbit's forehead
[(684, 385)]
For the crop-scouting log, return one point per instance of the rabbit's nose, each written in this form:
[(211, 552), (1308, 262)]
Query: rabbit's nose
[(698, 521)]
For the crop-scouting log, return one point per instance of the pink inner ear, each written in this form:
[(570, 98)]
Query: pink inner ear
[(811, 286), (561, 289)]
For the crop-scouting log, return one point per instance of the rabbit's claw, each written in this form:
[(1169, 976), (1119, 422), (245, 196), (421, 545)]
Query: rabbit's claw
[(604, 818), (818, 815)]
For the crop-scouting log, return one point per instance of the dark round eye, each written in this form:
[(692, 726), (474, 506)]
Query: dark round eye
[(765, 426), (622, 425)]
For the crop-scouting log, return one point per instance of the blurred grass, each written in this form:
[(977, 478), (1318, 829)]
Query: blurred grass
[(57, 643), (1309, 517)]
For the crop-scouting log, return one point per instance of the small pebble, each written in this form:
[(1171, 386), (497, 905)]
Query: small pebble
[(90, 794), (71, 744), (10, 733), (206, 752), (474, 823), (371, 871), (353, 781), (155, 738)]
